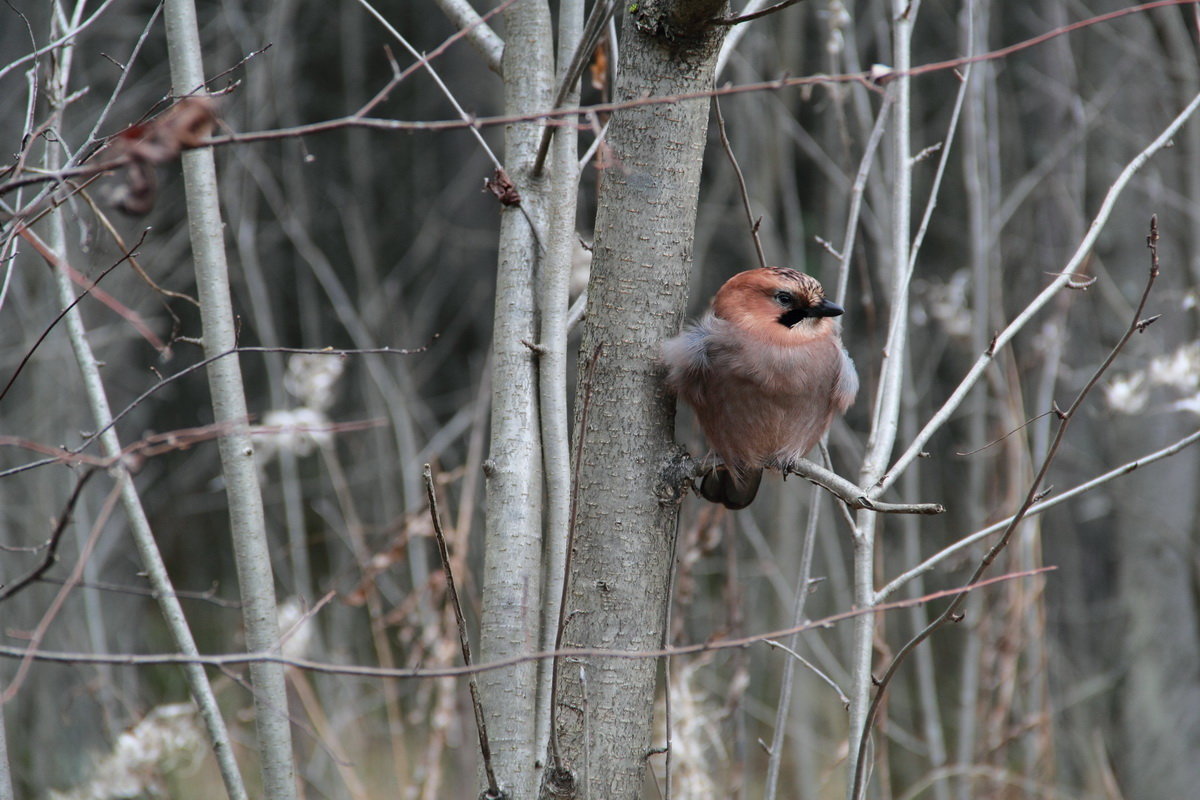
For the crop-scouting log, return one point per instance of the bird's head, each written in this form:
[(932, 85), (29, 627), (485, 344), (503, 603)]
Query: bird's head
[(780, 304)]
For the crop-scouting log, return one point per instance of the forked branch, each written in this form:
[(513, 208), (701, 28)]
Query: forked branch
[(1137, 324)]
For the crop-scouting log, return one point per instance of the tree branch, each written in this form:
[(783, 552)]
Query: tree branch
[(1137, 324), (738, 19), (219, 660), (478, 32), (850, 494), (463, 640), (52, 544), (943, 414)]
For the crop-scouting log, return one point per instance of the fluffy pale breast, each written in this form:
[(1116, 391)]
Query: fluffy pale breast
[(759, 404)]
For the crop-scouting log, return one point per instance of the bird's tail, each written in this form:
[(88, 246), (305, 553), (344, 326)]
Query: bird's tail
[(733, 489)]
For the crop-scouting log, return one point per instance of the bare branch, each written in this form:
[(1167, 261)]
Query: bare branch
[(943, 414), (740, 18), (52, 259), (200, 365), (741, 179), (1032, 496), (851, 494), (59, 42), (222, 660), (593, 29), (478, 32), (1037, 508), (464, 641), (51, 546)]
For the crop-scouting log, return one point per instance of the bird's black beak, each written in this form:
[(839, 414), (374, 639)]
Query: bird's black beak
[(826, 308)]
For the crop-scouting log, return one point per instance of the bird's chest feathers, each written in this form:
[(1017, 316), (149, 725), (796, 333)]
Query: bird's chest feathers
[(798, 365)]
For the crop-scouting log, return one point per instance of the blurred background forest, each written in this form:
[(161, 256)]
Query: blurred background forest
[(1081, 682)]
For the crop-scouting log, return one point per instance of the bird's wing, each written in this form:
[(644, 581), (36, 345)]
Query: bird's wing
[(847, 385)]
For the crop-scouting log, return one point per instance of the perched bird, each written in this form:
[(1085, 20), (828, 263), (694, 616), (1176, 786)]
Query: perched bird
[(765, 371)]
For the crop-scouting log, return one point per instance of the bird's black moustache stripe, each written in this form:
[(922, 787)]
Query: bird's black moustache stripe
[(825, 308), (792, 316)]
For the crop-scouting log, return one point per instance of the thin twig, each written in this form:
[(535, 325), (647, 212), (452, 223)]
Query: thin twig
[(130, 456), (443, 551), (593, 29), (327, 351), (59, 42), (799, 601), (740, 18), (943, 414), (424, 62), (62, 314), (854, 214), (816, 671), (950, 614), (741, 179), (1038, 508), (133, 262), (222, 660), (51, 545), (475, 123), (93, 138), (208, 596), (85, 554), (999, 439)]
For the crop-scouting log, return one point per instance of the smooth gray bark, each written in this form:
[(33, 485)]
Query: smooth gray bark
[(513, 536), (627, 492), (6, 790), (251, 552), (554, 279), (110, 444)]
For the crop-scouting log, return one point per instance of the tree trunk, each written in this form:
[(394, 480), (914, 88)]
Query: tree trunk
[(627, 491), (252, 555), (513, 539)]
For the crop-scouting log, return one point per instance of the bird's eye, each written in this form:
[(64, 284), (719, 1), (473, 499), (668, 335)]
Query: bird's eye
[(784, 298)]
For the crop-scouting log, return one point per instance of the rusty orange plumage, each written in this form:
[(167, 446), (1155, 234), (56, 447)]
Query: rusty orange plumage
[(765, 371)]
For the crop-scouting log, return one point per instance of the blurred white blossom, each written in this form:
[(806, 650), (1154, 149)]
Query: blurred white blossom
[(1191, 404), (698, 747), (167, 738), (1127, 394), (295, 628), (1179, 370), (312, 379), (839, 19), (299, 430)]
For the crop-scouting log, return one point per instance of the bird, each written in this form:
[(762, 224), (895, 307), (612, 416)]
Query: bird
[(765, 372)]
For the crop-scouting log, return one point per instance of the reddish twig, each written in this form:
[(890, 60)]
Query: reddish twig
[(89, 289), (51, 545), (159, 443), (228, 659), (738, 19), (327, 351), (865, 78)]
